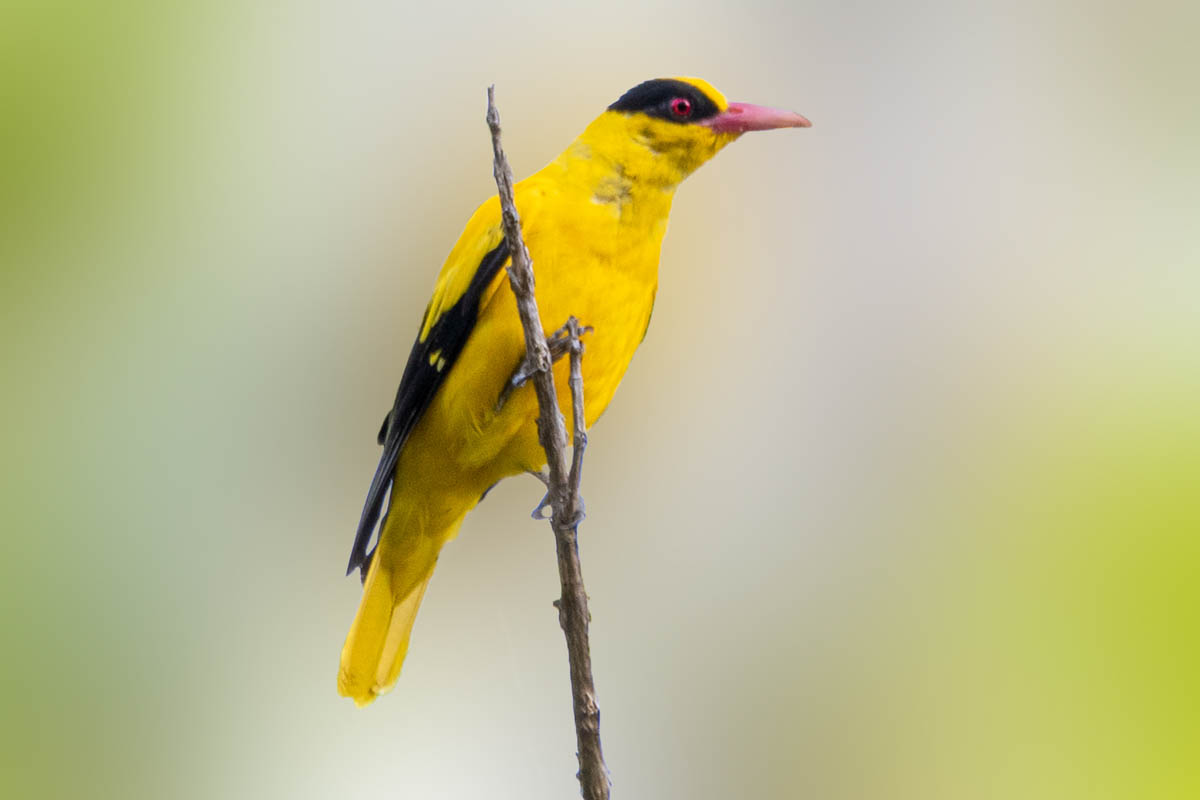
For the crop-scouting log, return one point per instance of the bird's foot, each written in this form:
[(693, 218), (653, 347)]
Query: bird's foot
[(559, 343), (540, 511)]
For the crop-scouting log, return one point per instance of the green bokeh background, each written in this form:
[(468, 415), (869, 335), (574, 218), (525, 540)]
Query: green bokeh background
[(901, 497)]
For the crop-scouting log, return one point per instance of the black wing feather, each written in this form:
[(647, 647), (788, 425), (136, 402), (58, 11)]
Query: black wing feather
[(418, 386)]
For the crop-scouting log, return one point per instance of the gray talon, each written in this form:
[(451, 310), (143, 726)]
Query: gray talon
[(542, 506)]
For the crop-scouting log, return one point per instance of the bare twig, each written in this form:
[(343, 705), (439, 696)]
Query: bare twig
[(563, 480), (579, 438)]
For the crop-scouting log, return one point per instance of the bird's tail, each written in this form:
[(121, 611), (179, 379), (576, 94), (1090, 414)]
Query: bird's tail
[(378, 640)]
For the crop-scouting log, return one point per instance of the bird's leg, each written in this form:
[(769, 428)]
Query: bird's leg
[(559, 344), (544, 476), (539, 510)]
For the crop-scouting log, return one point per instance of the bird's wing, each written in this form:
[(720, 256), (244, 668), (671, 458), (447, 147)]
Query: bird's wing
[(462, 287)]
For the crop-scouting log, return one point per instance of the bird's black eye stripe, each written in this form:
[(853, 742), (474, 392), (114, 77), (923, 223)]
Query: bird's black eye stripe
[(656, 99)]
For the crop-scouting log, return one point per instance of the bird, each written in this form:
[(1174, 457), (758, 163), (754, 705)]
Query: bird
[(593, 220)]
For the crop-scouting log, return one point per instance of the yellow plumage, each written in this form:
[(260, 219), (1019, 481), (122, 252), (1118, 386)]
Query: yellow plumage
[(593, 220)]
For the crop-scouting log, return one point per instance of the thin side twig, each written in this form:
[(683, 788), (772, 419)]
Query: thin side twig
[(579, 436), (563, 479)]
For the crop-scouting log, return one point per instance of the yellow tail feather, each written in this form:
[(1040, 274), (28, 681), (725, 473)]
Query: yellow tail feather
[(378, 639)]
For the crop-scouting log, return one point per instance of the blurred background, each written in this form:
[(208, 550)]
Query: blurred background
[(900, 498)]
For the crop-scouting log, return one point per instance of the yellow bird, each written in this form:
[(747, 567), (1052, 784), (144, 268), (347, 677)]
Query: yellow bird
[(593, 220)]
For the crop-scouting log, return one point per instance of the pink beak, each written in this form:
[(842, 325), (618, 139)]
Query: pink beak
[(742, 117)]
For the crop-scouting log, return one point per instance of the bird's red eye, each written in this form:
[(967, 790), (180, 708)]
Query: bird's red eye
[(681, 107)]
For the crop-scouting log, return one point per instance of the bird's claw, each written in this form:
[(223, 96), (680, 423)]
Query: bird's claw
[(541, 507), (539, 512), (559, 343)]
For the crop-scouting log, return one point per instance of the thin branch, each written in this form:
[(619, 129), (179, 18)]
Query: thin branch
[(579, 437), (563, 480)]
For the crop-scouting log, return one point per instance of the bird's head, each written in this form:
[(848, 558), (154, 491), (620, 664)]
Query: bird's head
[(682, 123)]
